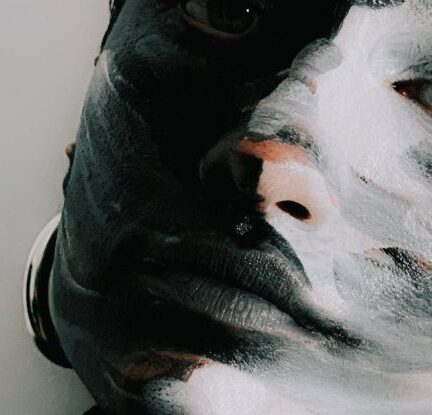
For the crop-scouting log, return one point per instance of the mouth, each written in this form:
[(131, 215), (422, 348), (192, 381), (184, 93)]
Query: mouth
[(263, 290), (235, 308)]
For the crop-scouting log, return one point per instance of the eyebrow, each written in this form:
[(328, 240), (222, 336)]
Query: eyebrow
[(407, 56), (377, 4), (423, 68)]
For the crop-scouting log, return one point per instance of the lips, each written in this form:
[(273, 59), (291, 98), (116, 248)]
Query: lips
[(264, 289), (233, 307)]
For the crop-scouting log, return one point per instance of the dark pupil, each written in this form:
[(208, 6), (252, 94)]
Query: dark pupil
[(230, 16)]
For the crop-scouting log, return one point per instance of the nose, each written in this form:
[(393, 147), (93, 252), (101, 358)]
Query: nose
[(290, 185), (280, 179)]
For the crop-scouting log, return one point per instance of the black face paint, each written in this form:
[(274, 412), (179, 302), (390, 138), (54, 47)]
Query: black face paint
[(162, 95)]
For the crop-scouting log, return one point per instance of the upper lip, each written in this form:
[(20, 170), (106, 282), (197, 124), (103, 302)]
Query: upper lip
[(266, 276)]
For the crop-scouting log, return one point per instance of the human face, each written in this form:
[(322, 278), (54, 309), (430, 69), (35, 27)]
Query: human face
[(239, 238)]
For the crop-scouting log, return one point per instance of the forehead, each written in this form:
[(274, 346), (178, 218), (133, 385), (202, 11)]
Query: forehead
[(393, 43), (364, 26)]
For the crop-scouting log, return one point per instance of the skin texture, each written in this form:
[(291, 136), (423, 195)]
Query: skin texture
[(185, 278)]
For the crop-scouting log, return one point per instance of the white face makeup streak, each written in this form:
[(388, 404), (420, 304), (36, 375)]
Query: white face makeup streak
[(375, 128), (220, 389), (364, 132), (367, 247)]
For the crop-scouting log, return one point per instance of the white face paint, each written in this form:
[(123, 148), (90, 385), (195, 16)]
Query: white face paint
[(367, 189), (366, 242)]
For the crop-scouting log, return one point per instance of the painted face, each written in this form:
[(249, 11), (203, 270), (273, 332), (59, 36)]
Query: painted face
[(243, 238)]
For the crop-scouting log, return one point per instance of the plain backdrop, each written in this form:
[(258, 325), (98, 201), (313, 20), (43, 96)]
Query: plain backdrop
[(47, 49)]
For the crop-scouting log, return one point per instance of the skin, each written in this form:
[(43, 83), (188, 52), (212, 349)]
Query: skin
[(186, 281)]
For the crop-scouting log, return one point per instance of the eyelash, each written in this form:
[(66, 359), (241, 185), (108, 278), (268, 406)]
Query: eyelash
[(414, 90)]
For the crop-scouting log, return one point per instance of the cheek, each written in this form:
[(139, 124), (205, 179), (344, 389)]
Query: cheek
[(365, 130)]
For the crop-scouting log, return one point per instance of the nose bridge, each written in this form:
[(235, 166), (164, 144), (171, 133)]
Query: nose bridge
[(274, 151)]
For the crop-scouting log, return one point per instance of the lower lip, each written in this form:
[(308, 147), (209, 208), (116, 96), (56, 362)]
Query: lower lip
[(230, 306)]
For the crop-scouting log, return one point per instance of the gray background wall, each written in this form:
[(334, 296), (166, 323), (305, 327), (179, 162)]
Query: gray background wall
[(46, 53)]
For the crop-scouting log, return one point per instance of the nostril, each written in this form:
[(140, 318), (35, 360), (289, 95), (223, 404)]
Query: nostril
[(296, 210)]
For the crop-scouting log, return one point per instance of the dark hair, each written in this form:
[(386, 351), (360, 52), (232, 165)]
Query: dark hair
[(115, 7)]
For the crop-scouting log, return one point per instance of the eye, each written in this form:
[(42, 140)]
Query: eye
[(419, 91), (224, 19)]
